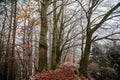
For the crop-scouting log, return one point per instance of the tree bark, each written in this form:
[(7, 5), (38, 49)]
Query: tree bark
[(85, 58), (43, 66), (13, 43), (54, 40)]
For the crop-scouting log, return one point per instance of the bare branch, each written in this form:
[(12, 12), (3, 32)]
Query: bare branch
[(107, 37), (105, 17)]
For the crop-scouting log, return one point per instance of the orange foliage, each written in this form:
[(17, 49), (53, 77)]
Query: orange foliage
[(59, 74)]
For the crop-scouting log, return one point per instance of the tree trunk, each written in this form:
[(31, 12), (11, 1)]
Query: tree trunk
[(13, 43), (43, 66), (8, 49), (54, 40), (85, 57)]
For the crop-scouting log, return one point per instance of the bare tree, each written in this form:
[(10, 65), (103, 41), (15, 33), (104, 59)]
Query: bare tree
[(91, 29)]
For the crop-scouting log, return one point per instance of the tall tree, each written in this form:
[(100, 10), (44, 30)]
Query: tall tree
[(91, 29), (8, 53), (2, 44), (54, 40), (13, 41), (56, 53), (10, 49), (62, 28), (43, 66)]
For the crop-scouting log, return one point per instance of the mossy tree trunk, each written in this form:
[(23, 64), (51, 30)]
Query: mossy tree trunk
[(56, 53), (54, 40), (43, 66)]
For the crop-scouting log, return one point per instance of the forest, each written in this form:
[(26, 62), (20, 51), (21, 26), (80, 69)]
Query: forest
[(59, 39)]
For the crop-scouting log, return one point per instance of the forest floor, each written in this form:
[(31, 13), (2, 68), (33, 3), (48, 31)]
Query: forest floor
[(64, 73)]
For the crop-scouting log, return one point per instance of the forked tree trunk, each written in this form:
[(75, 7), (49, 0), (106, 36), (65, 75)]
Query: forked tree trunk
[(56, 41)]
